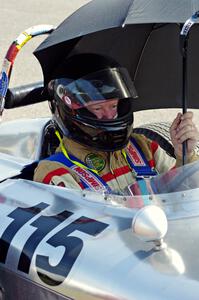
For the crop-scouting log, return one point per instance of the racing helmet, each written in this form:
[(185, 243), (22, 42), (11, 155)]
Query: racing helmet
[(90, 79)]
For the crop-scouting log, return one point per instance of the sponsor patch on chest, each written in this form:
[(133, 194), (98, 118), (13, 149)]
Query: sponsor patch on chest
[(90, 179), (135, 155)]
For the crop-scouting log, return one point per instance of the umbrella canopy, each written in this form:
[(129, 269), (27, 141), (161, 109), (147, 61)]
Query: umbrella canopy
[(143, 36)]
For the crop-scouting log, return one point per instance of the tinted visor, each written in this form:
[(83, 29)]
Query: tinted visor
[(111, 83)]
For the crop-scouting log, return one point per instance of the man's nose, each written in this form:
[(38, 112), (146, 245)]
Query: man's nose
[(109, 113)]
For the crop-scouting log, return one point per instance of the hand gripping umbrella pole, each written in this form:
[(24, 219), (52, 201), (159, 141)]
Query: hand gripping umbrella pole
[(184, 35), (12, 52)]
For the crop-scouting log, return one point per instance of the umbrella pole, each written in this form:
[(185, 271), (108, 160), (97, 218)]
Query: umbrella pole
[(184, 92), (184, 34)]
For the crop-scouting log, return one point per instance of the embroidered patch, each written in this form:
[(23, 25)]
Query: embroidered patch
[(95, 161), (135, 155), (88, 178)]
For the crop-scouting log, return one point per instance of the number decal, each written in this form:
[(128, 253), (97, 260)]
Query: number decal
[(44, 225), (20, 216), (73, 246), (50, 274)]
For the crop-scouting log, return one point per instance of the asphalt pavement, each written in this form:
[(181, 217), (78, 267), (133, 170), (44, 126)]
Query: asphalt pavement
[(20, 15)]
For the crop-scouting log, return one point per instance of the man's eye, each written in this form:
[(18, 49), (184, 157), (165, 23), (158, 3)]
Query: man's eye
[(97, 108)]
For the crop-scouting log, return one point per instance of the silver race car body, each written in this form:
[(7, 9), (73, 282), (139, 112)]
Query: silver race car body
[(57, 243)]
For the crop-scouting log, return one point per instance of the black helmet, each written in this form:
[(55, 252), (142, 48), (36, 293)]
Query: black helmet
[(87, 79)]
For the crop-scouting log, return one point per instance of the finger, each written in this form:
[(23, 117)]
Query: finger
[(185, 129), (188, 135), (185, 123), (176, 122), (187, 115)]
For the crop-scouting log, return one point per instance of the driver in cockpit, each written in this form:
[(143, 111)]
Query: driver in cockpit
[(91, 99)]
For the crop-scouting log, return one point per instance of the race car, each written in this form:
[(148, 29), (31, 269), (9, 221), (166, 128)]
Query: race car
[(59, 243)]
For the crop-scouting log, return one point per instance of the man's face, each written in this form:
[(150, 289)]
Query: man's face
[(104, 109)]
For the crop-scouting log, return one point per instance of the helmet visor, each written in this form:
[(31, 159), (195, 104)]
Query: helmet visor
[(111, 83)]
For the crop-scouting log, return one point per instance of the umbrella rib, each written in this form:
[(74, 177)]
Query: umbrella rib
[(130, 5), (142, 53), (155, 27)]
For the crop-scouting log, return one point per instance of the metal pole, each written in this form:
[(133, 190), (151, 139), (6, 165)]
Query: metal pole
[(12, 52), (184, 35)]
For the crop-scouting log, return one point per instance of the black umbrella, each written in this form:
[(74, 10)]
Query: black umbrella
[(144, 37)]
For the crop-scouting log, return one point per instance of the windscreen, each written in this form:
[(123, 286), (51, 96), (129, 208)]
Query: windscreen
[(176, 192)]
